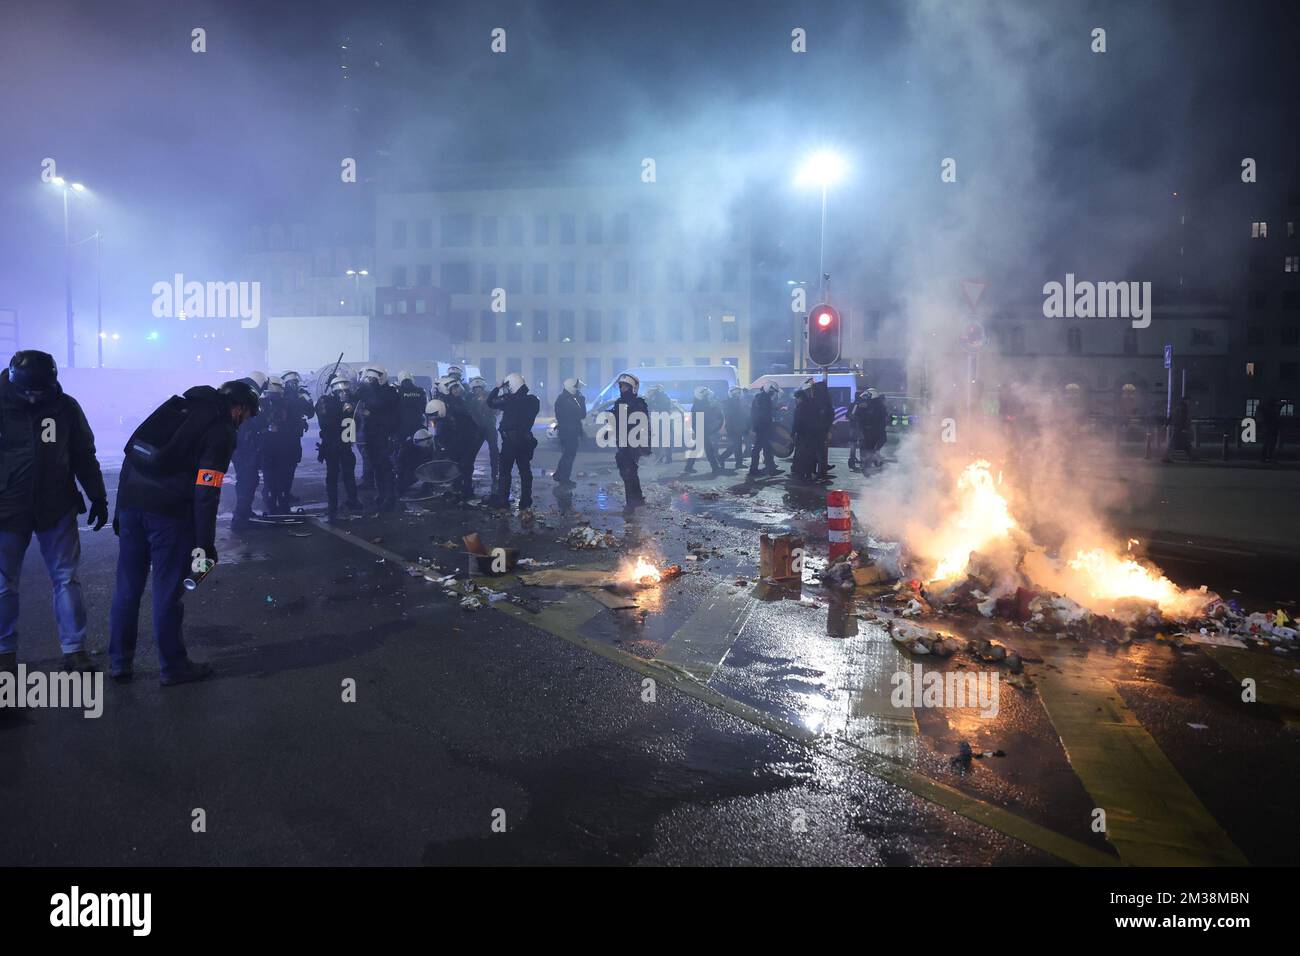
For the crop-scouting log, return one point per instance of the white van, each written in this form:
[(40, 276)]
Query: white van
[(679, 381), (843, 388)]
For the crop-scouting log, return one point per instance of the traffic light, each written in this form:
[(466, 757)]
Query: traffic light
[(824, 334)]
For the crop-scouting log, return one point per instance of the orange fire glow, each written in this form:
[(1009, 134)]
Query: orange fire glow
[(640, 572), (981, 518)]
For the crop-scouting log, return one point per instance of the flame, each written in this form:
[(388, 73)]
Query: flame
[(979, 519), (641, 572), (982, 517), (1110, 577)]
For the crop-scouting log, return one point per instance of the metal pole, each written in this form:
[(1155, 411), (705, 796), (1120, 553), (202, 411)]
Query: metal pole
[(821, 254), (67, 281), (99, 301)]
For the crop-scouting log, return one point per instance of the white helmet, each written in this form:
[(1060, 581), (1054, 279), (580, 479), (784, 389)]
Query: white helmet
[(455, 371), (259, 378), (274, 385), (422, 438), (873, 393), (374, 373), (478, 381), (630, 379), (340, 383), (291, 376), (703, 392), (405, 377), (436, 408), (445, 384), (514, 382), (571, 385), (772, 388)]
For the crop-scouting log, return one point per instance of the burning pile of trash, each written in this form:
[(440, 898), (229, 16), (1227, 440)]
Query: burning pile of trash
[(980, 561)]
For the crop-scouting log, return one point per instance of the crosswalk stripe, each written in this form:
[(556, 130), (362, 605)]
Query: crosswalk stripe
[(1152, 817)]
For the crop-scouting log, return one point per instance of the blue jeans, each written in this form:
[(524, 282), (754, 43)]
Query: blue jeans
[(61, 549), (164, 543)]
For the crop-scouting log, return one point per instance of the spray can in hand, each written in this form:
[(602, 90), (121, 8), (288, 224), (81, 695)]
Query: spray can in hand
[(200, 567)]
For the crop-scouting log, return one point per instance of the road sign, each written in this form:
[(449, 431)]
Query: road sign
[(973, 336)]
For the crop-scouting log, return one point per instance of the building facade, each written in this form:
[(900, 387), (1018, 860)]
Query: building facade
[(560, 282)]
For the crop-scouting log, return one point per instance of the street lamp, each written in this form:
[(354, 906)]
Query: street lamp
[(823, 168), (67, 187), (356, 285)]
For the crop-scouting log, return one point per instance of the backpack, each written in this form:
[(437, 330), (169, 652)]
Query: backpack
[(162, 441)]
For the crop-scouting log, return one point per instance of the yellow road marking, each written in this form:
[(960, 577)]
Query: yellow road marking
[(1152, 817)]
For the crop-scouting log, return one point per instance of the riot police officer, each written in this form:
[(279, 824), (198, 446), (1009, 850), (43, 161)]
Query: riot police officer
[(519, 409), (633, 443), (570, 410), (247, 458), (486, 417), (378, 411), (298, 400), (410, 419), (334, 412)]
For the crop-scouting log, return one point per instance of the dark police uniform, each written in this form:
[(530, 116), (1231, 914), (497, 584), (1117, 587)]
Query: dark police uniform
[(570, 410), (518, 413), (162, 516)]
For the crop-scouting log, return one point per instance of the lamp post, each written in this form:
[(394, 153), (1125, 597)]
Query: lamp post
[(67, 187), (823, 168)]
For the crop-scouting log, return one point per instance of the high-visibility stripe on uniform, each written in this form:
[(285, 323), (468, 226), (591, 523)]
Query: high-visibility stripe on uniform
[(209, 478)]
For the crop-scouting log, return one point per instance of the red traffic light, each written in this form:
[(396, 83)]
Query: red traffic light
[(824, 335)]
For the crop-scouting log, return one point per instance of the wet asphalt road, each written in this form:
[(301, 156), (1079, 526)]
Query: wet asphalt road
[(463, 719)]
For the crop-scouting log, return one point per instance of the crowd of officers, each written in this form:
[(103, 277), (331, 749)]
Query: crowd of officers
[(396, 428), (176, 462)]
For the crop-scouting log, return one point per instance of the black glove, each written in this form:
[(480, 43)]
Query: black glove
[(98, 516)]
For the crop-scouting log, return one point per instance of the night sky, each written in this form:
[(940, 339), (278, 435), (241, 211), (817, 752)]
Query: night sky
[(1064, 156)]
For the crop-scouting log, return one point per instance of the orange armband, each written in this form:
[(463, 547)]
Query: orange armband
[(210, 479)]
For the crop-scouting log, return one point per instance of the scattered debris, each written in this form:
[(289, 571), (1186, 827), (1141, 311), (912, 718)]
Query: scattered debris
[(585, 537)]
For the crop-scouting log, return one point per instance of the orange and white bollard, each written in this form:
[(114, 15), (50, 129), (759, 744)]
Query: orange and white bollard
[(839, 524)]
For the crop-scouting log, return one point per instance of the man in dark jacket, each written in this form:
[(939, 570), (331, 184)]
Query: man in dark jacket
[(570, 410), (379, 413), (46, 448), (761, 421), (824, 408), (632, 436), (166, 521), (735, 421), (519, 411)]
